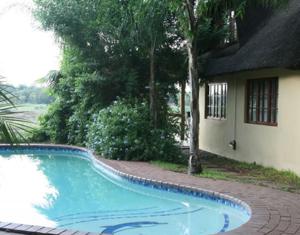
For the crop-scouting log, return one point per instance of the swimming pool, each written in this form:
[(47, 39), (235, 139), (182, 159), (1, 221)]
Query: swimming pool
[(69, 188)]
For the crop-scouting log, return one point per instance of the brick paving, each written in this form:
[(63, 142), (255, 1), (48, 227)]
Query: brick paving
[(274, 212)]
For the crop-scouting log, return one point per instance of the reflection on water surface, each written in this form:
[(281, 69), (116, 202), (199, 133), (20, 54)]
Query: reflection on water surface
[(23, 189)]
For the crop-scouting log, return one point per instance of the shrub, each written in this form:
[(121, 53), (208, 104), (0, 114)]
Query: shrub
[(38, 135), (77, 127), (54, 122), (124, 131)]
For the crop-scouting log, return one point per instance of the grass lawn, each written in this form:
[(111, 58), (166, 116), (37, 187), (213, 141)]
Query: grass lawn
[(220, 168), (31, 112)]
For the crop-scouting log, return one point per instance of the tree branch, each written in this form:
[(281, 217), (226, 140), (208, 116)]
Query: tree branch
[(190, 10)]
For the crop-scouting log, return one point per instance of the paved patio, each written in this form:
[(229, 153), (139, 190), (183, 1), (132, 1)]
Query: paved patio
[(273, 212)]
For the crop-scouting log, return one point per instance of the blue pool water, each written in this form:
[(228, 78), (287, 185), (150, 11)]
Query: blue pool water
[(59, 189)]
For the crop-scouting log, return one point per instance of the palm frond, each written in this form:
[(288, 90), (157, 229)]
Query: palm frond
[(12, 127), (52, 78)]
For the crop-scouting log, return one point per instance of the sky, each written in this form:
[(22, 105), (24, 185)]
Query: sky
[(27, 53)]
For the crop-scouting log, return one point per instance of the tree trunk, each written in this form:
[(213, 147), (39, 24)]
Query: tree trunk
[(182, 111), (194, 159), (152, 88)]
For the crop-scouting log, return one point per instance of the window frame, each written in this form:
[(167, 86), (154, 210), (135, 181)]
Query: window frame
[(259, 96), (223, 115)]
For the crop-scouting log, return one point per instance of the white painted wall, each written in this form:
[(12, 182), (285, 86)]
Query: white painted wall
[(278, 147)]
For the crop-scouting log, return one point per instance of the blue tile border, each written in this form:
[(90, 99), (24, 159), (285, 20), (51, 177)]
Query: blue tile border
[(40, 148), (190, 191)]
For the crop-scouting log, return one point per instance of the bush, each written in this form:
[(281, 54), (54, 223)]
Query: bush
[(38, 135), (124, 131), (77, 127), (54, 122)]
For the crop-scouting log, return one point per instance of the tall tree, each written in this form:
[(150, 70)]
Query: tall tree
[(110, 48), (145, 29), (151, 33), (115, 37), (191, 15)]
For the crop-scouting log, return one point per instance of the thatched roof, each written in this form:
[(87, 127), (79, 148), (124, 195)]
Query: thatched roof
[(268, 39)]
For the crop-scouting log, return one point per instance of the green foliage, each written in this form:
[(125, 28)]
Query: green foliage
[(54, 123), (31, 94), (124, 131), (12, 127), (101, 61), (38, 135), (151, 24), (207, 21), (77, 127)]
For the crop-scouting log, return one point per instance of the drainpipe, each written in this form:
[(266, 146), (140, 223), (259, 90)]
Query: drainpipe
[(233, 143)]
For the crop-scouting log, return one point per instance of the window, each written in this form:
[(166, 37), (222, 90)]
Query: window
[(262, 101), (216, 100)]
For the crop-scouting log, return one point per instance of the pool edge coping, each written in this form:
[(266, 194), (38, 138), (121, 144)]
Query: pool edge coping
[(32, 229)]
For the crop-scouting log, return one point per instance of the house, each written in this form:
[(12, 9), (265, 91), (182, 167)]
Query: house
[(250, 106)]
